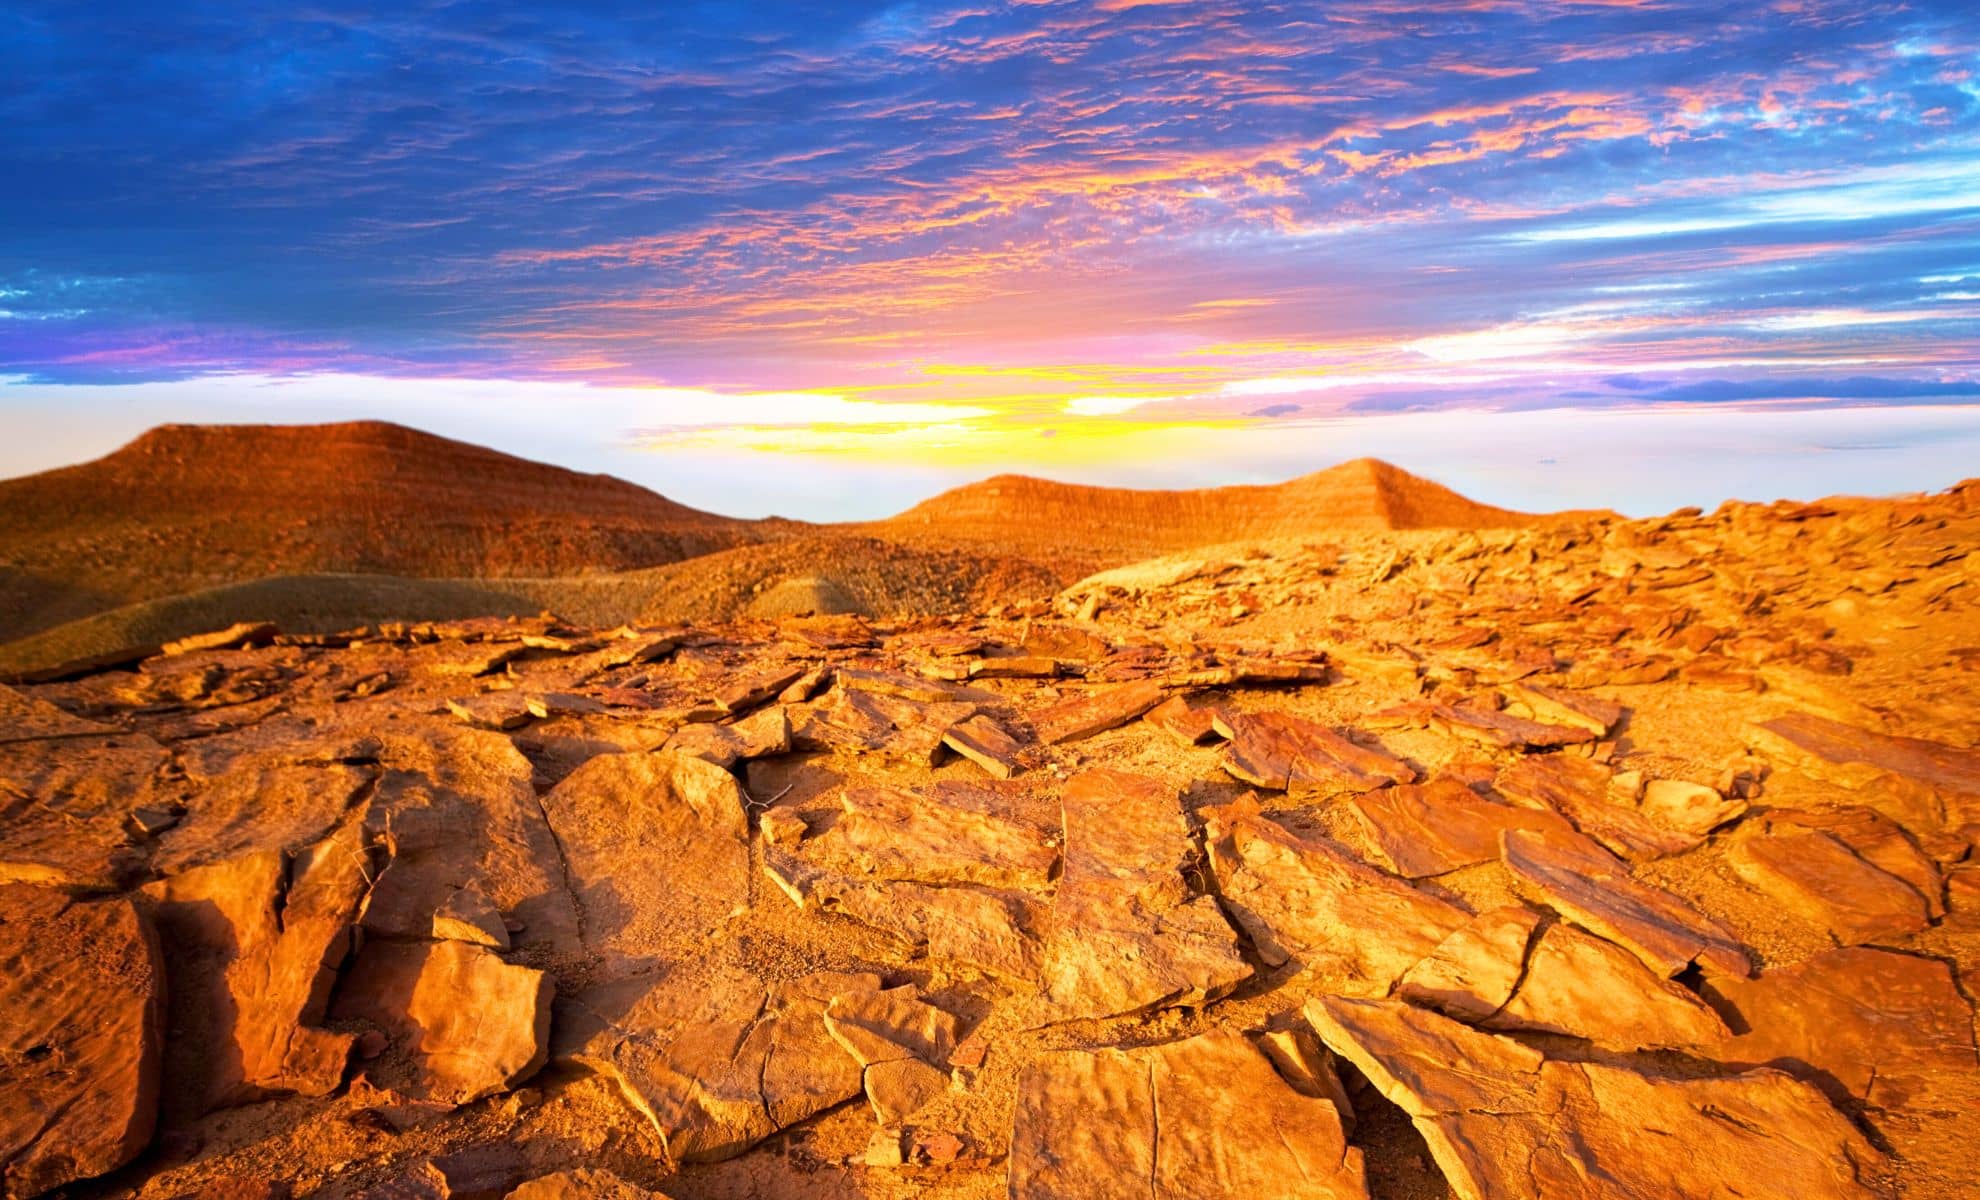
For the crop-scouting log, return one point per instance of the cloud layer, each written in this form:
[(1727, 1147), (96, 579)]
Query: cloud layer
[(1002, 216)]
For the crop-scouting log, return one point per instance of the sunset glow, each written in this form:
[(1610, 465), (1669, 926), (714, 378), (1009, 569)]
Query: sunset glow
[(1042, 235)]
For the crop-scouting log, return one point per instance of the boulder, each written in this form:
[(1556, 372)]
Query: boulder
[(82, 993)]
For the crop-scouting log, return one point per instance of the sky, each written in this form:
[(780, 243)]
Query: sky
[(826, 259)]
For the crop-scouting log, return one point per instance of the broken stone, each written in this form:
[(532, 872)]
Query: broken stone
[(907, 687), (984, 742), (1822, 880), (1437, 827), (760, 735), (755, 690), (1095, 712), (585, 1183), (1689, 808), (24, 719), (990, 929), (1587, 884), (468, 916), (1190, 726), (245, 633), (875, 722), (899, 1042), (1473, 972), (1307, 1067), (1854, 757), (715, 1064), (1578, 789), (1197, 1118), (1284, 753), (1127, 934), (1493, 728), (1353, 928), (1890, 1030), (1030, 666), (1565, 706), (1503, 1120), (473, 1024), (498, 711), (545, 705), (63, 809), (1583, 986), (82, 991), (655, 847), (782, 827), (255, 946), (890, 833)]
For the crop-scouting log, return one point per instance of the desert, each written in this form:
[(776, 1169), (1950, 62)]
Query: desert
[(1515, 856)]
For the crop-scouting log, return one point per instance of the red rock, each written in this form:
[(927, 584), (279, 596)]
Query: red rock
[(473, 1024), (81, 996), (1284, 753), (1821, 879), (1585, 883), (1891, 1030), (1565, 706), (1503, 1120), (1504, 730), (255, 946), (1353, 928), (985, 743), (1578, 789), (1855, 757), (1083, 716), (1190, 726), (895, 834), (244, 633), (1437, 827), (1197, 1118), (1128, 935)]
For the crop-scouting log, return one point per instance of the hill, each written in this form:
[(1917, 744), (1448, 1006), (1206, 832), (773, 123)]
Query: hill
[(1091, 527), (185, 507)]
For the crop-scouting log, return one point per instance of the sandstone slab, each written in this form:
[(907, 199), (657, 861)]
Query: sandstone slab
[(1095, 712), (1283, 753), (82, 991), (1437, 827), (1595, 889), (1817, 876), (1502, 1120), (1353, 928), (1127, 933)]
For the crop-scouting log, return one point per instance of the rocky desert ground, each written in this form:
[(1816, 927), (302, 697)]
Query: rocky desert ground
[(1592, 858)]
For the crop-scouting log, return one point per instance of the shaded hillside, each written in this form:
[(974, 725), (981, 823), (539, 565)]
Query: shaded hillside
[(188, 507), (1099, 526)]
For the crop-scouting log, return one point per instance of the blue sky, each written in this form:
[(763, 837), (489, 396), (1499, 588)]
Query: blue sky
[(880, 248)]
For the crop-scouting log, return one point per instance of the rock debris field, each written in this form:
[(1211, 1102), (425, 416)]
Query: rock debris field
[(1603, 859)]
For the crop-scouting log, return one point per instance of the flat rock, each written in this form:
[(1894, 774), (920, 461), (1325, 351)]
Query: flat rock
[(1578, 789), (1472, 973), (1855, 757), (63, 809), (24, 718), (759, 735), (243, 633), (1190, 726), (868, 722), (1127, 933), (894, 834), (902, 1044), (1503, 1120), (1818, 877), (715, 1063), (1888, 1029), (497, 711), (1198, 1118), (255, 944), (1689, 808), (473, 1024), (1283, 753), (1577, 984), (655, 847), (82, 990), (1436, 827), (584, 1183), (1595, 889), (991, 929), (1353, 928), (1095, 712), (1491, 727), (985, 743), (1567, 706), (457, 808)]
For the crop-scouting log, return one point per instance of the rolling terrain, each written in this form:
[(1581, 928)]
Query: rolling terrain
[(326, 527)]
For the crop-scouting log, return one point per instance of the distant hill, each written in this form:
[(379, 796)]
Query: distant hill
[(1101, 526), (189, 507)]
